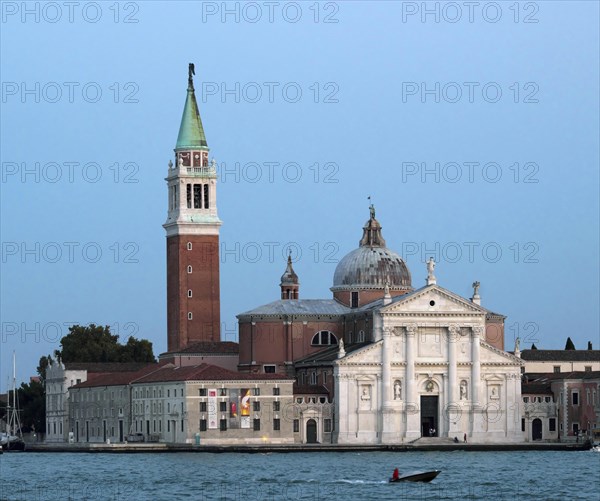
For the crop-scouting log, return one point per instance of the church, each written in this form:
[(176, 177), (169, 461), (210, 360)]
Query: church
[(384, 362)]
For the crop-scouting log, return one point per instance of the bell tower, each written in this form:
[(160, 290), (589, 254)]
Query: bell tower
[(192, 227)]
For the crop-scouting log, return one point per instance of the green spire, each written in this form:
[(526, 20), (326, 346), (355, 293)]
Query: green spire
[(191, 133)]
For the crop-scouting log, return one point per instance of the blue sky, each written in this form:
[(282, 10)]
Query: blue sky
[(477, 141)]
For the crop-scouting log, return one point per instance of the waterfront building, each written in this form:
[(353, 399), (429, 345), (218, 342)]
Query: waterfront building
[(184, 404), (539, 412), (557, 361), (577, 397), (60, 378)]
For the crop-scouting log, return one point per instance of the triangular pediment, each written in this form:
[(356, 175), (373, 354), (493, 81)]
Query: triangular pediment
[(444, 301), (368, 355)]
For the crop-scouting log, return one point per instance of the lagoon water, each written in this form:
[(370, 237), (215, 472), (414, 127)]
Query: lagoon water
[(528, 475)]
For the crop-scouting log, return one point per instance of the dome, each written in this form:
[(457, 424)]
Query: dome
[(372, 265)]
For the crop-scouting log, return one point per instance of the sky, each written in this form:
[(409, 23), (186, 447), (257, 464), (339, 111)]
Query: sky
[(474, 130)]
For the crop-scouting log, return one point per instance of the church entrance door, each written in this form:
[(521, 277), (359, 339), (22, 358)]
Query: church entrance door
[(429, 416), (536, 429), (311, 431)]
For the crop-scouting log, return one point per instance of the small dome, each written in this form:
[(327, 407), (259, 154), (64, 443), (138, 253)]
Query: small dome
[(289, 277), (372, 268)]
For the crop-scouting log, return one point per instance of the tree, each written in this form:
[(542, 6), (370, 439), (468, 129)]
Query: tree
[(533, 346), (94, 343), (569, 345), (32, 402), (45, 361)]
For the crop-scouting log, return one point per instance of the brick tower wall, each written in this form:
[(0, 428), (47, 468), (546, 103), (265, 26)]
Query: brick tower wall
[(203, 281)]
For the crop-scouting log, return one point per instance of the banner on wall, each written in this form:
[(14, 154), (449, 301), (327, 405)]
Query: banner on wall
[(213, 420), (245, 408)]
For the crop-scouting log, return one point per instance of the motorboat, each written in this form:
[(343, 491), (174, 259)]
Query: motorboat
[(419, 476)]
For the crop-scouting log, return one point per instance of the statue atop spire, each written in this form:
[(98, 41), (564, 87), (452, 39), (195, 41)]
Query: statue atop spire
[(372, 236), (191, 72)]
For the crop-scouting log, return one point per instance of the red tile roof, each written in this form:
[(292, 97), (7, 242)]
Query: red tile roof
[(205, 372), (117, 378)]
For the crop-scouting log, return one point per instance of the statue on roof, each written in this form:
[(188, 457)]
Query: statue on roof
[(476, 288), (372, 211)]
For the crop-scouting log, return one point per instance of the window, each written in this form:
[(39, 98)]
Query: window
[(275, 391), (189, 315), (548, 399), (575, 427), (552, 424), (522, 424), (354, 303), (206, 202), (276, 406), (189, 196), (190, 269), (197, 196), (269, 369), (327, 425), (276, 424), (256, 424), (324, 338), (296, 425), (189, 246), (526, 400), (223, 392), (189, 292), (256, 406), (255, 391), (223, 424), (588, 368), (324, 377), (575, 397), (223, 406), (202, 392), (202, 406), (203, 425), (361, 336), (557, 369), (182, 425)]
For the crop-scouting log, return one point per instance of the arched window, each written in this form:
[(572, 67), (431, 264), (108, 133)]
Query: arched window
[(361, 336), (324, 338), (189, 269), (189, 246)]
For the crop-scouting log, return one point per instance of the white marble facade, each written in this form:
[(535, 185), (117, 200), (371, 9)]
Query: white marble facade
[(429, 372)]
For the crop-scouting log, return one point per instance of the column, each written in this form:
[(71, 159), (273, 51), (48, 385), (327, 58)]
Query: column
[(455, 417), (413, 428), (475, 364), (386, 372)]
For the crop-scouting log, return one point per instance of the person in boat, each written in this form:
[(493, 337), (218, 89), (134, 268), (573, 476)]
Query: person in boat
[(396, 474)]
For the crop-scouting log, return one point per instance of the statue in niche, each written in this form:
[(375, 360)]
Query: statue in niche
[(397, 390), (366, 393), (463, 390), (494, 395)]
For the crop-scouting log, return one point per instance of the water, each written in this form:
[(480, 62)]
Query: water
[(528, 475)]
